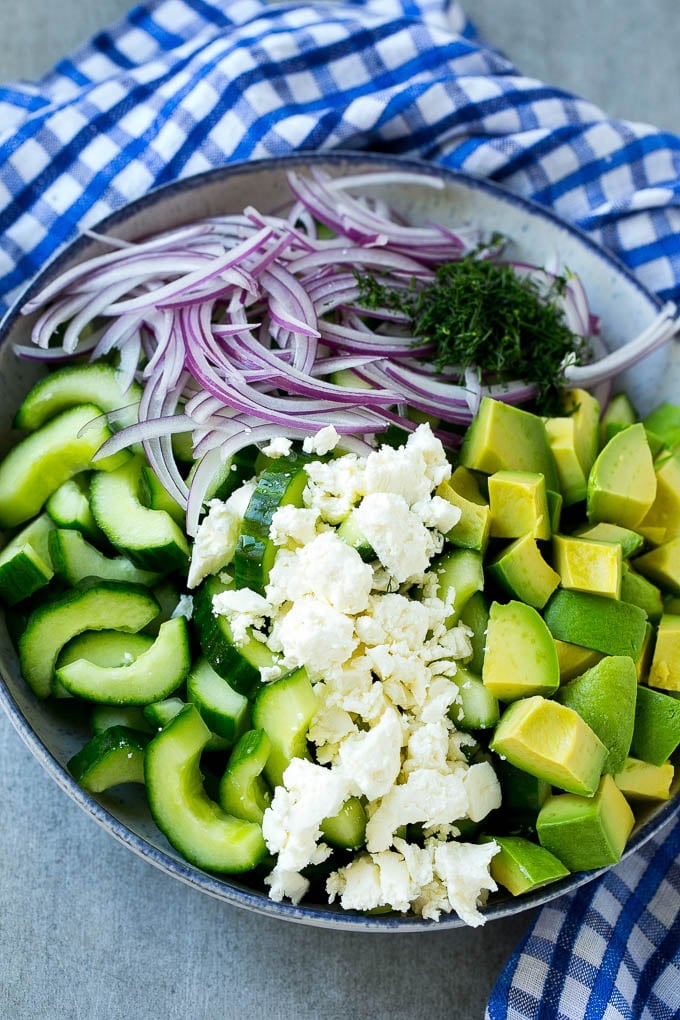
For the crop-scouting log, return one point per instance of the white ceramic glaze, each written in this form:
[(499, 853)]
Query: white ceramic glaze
[(623, 306)]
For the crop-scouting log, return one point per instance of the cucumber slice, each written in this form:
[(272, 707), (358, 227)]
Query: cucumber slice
[(150, 538), (110, 758), (156, 497), (79, 384), (105, 605), (477, 708), (284, 709), (152, 675), (194, 824), (25, 562), (74, 559), (460, 575), (242, 791), (69, 507), (239, 664), (350, 532), (347, 829), (160, 713), (283, 483), (103, 717), (226, 712), (43, 460)]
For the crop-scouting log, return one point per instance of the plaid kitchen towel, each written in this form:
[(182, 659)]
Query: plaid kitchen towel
[(180, 86)]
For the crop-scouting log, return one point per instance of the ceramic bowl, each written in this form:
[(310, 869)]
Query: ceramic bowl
[(623, 306)]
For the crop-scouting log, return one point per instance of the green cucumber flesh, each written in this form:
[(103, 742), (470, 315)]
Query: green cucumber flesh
[(112, 757), (242, 790), (74, 559), (226, 712), (79, 384), (194, 824), (25, 562), (284, 709)]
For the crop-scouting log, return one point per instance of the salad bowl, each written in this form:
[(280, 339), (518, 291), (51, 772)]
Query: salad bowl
[(421, 194)]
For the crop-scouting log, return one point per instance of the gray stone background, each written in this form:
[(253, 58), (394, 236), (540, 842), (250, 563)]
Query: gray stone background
[(88, 930)]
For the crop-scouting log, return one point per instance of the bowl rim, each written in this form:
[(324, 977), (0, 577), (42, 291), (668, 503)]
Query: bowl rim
[(227, 888)]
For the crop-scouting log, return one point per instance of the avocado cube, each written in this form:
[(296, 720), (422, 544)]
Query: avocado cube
[(573, 479), (588, 565), (472, 529), (574, 659), (604, 696), (620, 413), (640, 591), (631, 542), (521, 570), (552, 742), (622, 482), (665, 669), (595, 621), (504, 437), (522, 865), (665, 510), (639, 780), (586, 833), (519, 505), (656, 733), (520, 655), (522, 795), (664, 421), (584, 409), (662, 565), (644, 659)]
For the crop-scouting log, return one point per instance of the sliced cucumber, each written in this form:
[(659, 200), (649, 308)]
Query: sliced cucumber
[(69, 507), (74, 559), (160, 713), (239, 664), (46, 458), (103, 717), (284, 709), (155, 496), (193, 823), (283, 483), (477, 708), (226, 712), (104, 605), (25, 562), (150, 676), (350, 532), (242, 791), (79, 384), (460, 574), (347, 829), (112, 757), (150, 538)]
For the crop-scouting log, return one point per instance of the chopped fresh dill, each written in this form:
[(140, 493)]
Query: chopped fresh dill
[(478, 313)]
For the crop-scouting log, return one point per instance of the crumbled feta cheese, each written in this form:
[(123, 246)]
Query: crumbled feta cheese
[(400, 540), (314, 635), (277, 447), (244, 609), (327, 568), (464, 870), (334, 487), (293, 524), (483, 790), (324, 441), (371, 759), (427, 796), (215, 542)]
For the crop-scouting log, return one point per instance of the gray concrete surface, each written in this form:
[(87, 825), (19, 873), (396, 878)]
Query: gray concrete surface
[(87, 929)]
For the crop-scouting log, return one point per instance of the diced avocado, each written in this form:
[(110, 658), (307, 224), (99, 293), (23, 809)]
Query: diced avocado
[(555, 503), (472, 530), (460, 574), (630, 541), (584, 410), (551, 742), (644, 659), (662, 565), (475, 615), (561, 434), (656, 734), (574, 659), (586, 833), (638, 780), (622, 483), (518, 504), (522, 794), (595, 621), (619, 413), (665, 510), (467, 483), (639, 591), (664, 421), (604, 696), (522, 865), (665, 669), (523, 572), (520, 654), (503, 437), (585, 564)]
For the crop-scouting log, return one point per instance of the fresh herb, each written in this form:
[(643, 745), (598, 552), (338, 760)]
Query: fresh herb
[(483, 314)]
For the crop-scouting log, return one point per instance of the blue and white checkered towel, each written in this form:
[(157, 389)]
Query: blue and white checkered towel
[(180, 86)]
